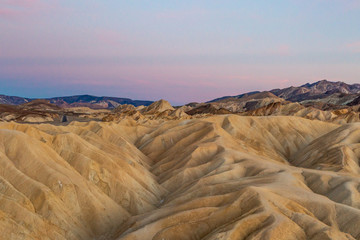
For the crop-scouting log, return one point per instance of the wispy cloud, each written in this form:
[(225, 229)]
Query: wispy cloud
[(23, 8), (353, 47), (8, 13), (21, 3)]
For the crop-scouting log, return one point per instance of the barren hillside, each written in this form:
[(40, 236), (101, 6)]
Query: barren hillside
[(219, 177)]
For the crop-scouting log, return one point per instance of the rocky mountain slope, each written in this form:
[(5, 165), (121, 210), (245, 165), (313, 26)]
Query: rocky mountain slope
[(322, 94), (12, 100), (318, 90), (95, 102)]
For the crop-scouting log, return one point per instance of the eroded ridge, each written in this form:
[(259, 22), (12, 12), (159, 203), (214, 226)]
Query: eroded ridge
[(220, 177)]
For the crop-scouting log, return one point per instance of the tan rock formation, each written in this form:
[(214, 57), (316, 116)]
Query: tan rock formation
[(220, 177)]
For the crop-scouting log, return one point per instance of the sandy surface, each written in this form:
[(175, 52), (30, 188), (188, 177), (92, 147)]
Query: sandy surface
[(221, 177)]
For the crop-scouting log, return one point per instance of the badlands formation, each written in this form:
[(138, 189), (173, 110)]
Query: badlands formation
[(254, 166), (205, 177)]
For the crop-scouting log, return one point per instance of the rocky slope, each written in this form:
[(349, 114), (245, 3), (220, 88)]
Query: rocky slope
[(219, 177), (255, 166), (344, 115), (160, 110), (318, 90), (12, 100), (38, 111), (324, 95)]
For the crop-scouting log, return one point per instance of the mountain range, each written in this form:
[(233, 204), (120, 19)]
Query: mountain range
[(90, 101), (322, 100), (325, 93), (338, 93)]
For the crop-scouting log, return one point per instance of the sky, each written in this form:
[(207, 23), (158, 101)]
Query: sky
[(182, 51)]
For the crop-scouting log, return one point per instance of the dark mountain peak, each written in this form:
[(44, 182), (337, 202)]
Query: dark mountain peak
[(39, 104), (322, 90), (237, 96), (321, 82), (84, 100), (318, 90), (13, 100), (325, 85)]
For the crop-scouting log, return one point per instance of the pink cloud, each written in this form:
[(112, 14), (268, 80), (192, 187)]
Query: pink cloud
[(23, 8), (284, 50), (7, 12), (22, 3), (353, 47), (281, 50)]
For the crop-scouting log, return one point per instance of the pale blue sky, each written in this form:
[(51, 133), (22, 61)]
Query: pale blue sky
[(182, 51)]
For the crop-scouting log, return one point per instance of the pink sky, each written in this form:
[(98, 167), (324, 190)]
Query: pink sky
[(185, 51)]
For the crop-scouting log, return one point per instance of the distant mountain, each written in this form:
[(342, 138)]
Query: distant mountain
[(12, 100), (319, 94), (317, 90), (237, 96), (78, 101)]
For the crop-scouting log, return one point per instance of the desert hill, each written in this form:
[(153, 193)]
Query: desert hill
[(35, 111), (255, 166), (39, 111), (215, 177), (160, 110), (344, 115), (157, 107)]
